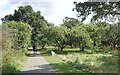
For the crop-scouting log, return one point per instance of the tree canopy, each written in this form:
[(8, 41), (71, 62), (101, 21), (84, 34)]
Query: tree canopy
[(32, 29), (100, 10), (26, 14)]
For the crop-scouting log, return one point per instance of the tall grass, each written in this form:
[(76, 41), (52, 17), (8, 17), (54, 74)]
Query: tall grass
[(12, 61), (89, 61)]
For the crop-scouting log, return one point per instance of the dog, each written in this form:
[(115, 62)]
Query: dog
[(53, 53)]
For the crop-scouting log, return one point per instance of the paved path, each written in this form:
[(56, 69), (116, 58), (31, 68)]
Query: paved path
[(36, 63)]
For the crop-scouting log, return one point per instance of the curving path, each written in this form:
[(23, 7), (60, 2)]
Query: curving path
[(36, 63)]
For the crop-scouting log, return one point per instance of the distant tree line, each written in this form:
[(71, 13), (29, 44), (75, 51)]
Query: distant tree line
[(30, 28)]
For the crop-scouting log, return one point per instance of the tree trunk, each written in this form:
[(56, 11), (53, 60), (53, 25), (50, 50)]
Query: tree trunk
[(82, 48), (58, 48), (43, 46), (94, 43), (61, 49), (71, 45), (75, 46), (114, 47)]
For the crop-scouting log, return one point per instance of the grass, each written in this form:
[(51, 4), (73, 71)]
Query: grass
[(57, 63), (60, 66), (13, 62), (76, 61)]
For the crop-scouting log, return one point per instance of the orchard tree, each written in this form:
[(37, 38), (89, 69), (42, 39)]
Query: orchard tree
[(81, 37), (43, 35), (113, 35), (60, 33), (102, 31), (92, 30), (70, 23), (109, 34), (50, 32), (69, 37), (37, 25)]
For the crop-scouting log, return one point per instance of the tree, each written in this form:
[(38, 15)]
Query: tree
[(114, 35), (104, 34), (100, 10), (50, 33), (34, 19), (43, 35), (81, 37), (109, 34), (59, 33), (70, 23), (22, 34), (22, 14), (38, 24), (7, 18), (92, 30)]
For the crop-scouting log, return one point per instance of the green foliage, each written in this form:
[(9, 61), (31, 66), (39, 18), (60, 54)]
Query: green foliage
[(81, 36), (100, 10), (88, 35), (11, 61), (71, 22), (60, 36), (109, 34), (22, 34), (35, 20), (22, 14), (43, 36), (29, 28)]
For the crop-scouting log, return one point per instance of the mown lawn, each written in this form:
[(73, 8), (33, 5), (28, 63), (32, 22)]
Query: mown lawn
[(76, 61)]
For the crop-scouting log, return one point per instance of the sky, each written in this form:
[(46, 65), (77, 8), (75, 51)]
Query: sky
[(53, 10)]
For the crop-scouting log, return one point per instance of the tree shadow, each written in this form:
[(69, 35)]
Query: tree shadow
[(81, 70), (44, 69), (94, 70), (33, 55)]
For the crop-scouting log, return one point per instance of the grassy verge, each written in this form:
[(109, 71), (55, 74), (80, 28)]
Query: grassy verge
[(76, 61), (13, 61)]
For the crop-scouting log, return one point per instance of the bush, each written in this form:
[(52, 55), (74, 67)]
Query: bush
[(13, 56), (21, 32)]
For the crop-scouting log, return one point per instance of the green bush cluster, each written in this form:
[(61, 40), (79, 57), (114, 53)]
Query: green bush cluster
[(16, 37)]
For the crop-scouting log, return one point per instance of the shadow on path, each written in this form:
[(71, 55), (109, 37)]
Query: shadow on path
[(37, 65), (44, 68)]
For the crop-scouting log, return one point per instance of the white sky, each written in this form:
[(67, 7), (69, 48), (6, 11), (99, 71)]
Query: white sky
[(53, 10)]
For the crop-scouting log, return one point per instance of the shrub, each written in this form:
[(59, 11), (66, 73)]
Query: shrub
[(12, 53)]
